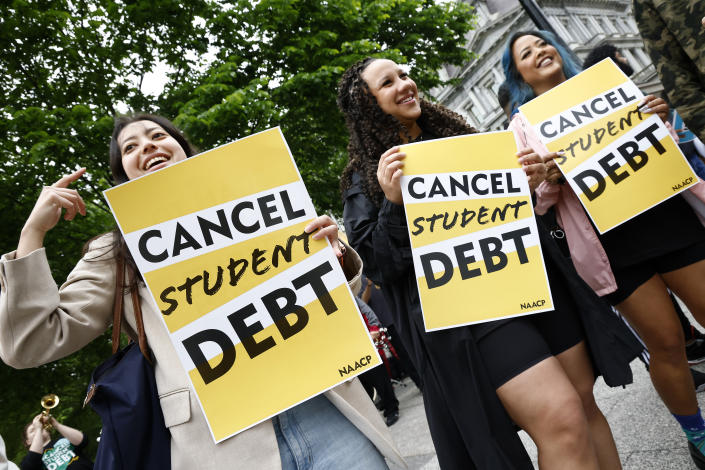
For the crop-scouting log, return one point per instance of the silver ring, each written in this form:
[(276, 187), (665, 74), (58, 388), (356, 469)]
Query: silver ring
[(558, 234)]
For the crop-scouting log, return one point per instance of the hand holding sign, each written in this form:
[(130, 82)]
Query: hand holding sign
[(324, 226), (533, 166), (553, 175), (653, 105), (389, 174)]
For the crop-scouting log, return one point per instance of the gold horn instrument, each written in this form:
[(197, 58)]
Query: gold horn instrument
[(48, 402)]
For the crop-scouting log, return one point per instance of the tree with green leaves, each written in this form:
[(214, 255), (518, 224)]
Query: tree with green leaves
[(233, 68)]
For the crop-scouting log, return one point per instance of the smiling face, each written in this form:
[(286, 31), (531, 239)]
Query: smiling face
[(538, 63), (395, 92), (146, 147)]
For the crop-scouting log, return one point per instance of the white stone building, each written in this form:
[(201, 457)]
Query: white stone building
[(583, 25)]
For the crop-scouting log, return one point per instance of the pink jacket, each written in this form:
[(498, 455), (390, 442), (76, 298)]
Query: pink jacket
[(586, 251)]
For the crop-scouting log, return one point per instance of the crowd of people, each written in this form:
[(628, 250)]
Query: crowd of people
[(613, 293)]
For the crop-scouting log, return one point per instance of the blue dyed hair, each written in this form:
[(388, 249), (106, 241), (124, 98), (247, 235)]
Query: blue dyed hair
[(519, 91)]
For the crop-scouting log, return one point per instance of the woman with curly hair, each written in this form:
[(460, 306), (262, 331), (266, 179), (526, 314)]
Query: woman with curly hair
[(534, 370)]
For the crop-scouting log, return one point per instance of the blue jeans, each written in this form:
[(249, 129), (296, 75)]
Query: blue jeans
[(314, 435)]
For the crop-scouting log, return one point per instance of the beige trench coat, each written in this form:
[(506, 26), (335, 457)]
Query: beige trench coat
[(40, 323)]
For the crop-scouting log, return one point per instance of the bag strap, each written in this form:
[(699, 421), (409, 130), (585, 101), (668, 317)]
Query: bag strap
[(137, 309), (117, 306), (141, 337)]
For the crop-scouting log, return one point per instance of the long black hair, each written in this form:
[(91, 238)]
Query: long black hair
[(119, 175), (372, 131), (118, 246)]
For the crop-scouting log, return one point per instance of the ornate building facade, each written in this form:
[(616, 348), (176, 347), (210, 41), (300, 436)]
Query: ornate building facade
[(582, 25)]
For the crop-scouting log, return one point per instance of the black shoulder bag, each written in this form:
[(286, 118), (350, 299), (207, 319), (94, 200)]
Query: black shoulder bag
[(123, 391)]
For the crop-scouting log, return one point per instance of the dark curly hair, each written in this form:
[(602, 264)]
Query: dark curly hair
[(605, 51), (372, 131), (600, 52)]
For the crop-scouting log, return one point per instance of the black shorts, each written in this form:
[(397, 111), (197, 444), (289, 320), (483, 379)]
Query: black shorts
[(523, 342), (631, 277)]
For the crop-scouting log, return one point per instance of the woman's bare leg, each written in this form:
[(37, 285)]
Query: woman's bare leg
[(543, 401), (688, 283), (651, 313), (578, 367)]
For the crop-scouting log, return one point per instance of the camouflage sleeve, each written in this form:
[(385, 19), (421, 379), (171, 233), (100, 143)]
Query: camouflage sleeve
[(678, 74)]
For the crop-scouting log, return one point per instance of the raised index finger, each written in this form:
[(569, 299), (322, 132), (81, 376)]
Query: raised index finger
[(66, 180)]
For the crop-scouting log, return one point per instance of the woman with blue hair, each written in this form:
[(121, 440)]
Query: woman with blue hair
[(633, 265), (520, 91)]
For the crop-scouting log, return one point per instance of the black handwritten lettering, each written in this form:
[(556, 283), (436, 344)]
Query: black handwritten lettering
[(595, 136), (483, 215), (164, 297), (257, 264), (188, 287), (216, 286)]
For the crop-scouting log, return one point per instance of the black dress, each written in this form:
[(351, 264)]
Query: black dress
[(469, 426)]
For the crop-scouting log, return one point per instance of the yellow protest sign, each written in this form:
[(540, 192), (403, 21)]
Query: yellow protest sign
[(259, 313), (618, 160), (474, 240)]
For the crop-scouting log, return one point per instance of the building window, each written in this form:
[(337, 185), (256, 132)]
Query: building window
[(608, 26), (581, 33), (562, 25), (489, 89), (481, 15), (585, 23), (570, 27), (631, 26), (643, 56), (632, 59), (622, 26), (498, 74), (468, 109), (478, 110), (594, 25)]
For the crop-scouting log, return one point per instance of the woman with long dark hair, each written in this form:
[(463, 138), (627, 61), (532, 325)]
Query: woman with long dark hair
[(633, 265), (534, 370), (40, 323)]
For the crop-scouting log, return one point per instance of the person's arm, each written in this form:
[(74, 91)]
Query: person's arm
[(33, 459), (675, 68), (74, 436), (37, 444), (367, 292), (379, 235), (39, 322), (368, 313)]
